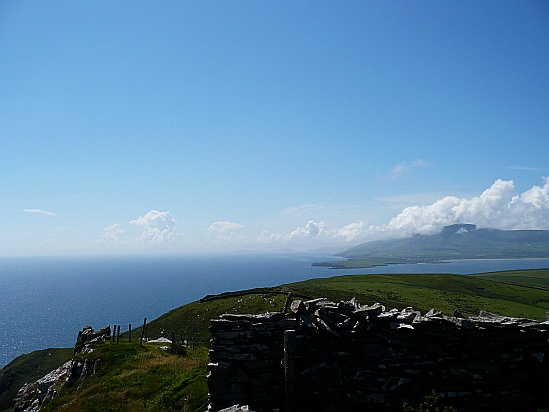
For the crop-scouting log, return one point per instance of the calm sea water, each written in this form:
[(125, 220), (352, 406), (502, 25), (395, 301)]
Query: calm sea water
[(44, 302)]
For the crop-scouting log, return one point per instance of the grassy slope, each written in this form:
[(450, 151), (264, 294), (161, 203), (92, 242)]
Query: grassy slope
[(469, 294), (29, 368), (143, 378), (134, 378), (519, 294), (192, 321)]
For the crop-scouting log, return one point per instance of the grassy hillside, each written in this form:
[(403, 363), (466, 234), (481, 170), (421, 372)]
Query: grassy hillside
[(192, 321), (133, 377), (29, 368), (517, 293), (529, 278), (469, 294)]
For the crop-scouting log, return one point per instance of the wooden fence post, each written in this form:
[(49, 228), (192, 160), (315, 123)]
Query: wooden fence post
[(287, 303), (143, 331), (289, 368), (118, 335), (114, 333), (130, 332)]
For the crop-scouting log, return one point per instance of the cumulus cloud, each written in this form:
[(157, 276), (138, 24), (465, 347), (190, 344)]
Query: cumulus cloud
[(113, 234), (311, 230), (225, 230), (318, 231), (44, 212), (267, 236), (159, 228), (350, 233), (497, 207)]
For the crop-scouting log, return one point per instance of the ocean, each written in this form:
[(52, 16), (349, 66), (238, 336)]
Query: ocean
[(45, 301)]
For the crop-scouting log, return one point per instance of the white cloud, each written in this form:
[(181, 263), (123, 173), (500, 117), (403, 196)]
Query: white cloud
[(311, 230), (405, 167), (225, 230), (269, 237), (113, 234), (350, 233), (526, 168), (318, 232), (44, 212), (159, 228), (497, 207)]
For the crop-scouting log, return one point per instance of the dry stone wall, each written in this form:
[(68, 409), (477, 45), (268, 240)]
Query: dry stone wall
[(347, 356)]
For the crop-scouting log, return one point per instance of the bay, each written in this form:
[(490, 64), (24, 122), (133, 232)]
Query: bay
[(45, 301)]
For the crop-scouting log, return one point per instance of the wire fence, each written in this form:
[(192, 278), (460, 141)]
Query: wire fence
[(174, 341)]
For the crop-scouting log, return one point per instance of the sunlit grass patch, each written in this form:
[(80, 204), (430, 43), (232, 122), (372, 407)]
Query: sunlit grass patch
[(133, 377)]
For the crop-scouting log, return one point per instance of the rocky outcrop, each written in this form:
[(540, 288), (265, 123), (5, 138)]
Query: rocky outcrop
[(327, 356), (31, 397)]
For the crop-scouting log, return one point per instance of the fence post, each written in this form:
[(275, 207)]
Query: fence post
[(114, 333), (287, 302), (143, 331), (130, 332), (118, 334), (173, 343), (289, 368)]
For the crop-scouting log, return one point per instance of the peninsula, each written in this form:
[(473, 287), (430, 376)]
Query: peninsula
[(454, 242)]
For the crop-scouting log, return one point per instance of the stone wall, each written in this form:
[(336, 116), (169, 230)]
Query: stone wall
[(346, 356)]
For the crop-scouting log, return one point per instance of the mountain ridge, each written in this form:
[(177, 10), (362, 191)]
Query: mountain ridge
[(453, 242)]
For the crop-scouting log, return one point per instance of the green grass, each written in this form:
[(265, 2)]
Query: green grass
[(469, 294), (133, 377), (518, 293), (29, 368), (531, 278), (192, 321)]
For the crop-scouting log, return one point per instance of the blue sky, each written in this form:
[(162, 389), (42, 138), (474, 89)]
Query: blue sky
[(178, 126)]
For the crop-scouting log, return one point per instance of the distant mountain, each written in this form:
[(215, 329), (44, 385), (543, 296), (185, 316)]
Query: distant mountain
[(460, 241)]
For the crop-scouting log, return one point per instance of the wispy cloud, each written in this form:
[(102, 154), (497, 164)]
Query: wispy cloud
[(532, 169), (410, 198), (406, 167), (113, 234), (40, 211)]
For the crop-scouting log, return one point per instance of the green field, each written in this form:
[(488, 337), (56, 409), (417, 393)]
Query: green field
[(517, 294)]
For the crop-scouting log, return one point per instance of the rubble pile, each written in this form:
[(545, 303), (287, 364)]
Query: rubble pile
[(347, 356)]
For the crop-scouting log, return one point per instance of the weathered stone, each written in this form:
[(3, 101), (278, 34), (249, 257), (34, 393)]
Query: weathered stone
[(352, 357), (373, 310)]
